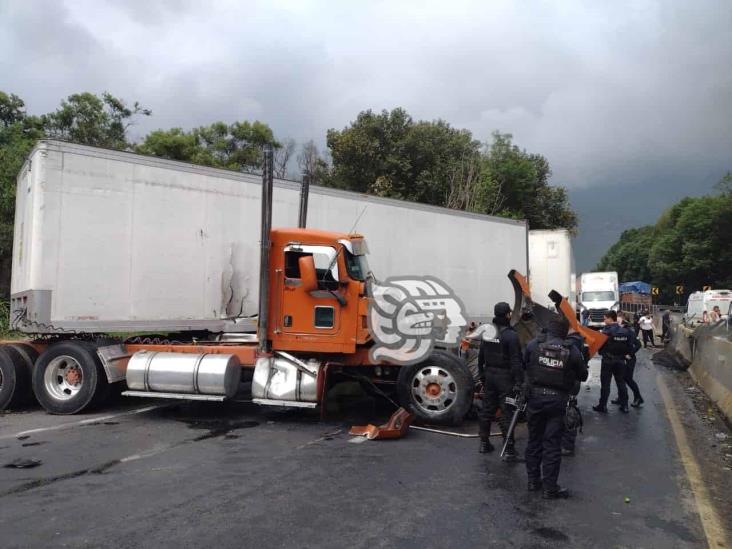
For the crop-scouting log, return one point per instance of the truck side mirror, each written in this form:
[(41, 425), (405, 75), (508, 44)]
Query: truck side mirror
[(307, 273)]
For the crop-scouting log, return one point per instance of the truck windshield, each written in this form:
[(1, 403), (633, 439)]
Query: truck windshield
[(598, 296), (357, 266)]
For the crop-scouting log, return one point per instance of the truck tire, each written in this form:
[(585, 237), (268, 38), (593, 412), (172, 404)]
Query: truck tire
[(438, 390), (27, 353), (15, 379), (69, 378)]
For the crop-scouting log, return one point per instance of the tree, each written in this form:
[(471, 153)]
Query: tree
[(520, 184), (282, 157), (91, 120), (688, 246), (173, 144), (312, 165), (389, 153), (237, 146), (629, 255), (692, 243)]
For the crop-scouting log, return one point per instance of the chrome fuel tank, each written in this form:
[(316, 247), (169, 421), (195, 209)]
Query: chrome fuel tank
[(205, 374)]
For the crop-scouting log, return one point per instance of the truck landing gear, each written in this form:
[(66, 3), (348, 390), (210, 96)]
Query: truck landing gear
[(68, 378), (438, 390)]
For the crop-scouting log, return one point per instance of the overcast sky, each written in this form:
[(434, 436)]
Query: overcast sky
[(611, 92)]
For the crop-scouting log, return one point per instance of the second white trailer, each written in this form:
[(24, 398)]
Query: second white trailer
[(551, 266)]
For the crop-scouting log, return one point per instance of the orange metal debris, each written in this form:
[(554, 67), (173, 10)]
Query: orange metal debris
[(396, 427)]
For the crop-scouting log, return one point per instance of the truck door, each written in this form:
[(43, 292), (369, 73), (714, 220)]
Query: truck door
[(310, 313)]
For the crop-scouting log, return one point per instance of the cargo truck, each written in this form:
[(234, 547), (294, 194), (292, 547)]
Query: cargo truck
[(598, 294), (551, 266), (109, 243)]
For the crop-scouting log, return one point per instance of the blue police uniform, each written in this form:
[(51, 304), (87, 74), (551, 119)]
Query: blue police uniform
[(615, 353), (553, 366)]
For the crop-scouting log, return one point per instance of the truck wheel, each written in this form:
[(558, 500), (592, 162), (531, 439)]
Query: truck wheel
[(15, 379), (437, 390), (27, 353), (68, 378)]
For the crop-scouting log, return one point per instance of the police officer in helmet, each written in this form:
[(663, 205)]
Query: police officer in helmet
[(500, 360), (615, 352), (553, 367)]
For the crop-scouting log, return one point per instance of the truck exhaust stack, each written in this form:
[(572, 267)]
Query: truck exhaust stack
[(263, 318)]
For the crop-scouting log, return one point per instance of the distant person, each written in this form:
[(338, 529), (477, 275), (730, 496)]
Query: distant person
[(585, 316), (646, 326), (630, 366), (716, 315), (636, 323), (615, 352), (665, 325)]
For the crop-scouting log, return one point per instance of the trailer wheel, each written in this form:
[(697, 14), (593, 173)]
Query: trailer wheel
[(437, 390), (15, 379), (68, 378), (27, 353)]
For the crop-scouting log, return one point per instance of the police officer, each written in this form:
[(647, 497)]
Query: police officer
[(553, 366), (500, 361), (630, 365), (615, 352), (573, 419)]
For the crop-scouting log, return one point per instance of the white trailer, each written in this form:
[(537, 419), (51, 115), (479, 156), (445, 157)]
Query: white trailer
[(114, 241), (551, 266)]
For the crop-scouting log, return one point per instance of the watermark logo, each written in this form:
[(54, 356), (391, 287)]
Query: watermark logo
[(409, 315)]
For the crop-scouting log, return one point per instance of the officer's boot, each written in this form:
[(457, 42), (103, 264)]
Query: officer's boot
[(510, 453), (485, 442)]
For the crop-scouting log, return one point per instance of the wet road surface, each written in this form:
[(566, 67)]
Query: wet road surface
[(142, 473)]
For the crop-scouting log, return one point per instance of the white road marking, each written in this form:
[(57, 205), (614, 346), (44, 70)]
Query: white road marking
[(84, 421), (712, 523)]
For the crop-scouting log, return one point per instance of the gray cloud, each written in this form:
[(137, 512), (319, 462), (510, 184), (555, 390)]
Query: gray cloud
[(613, 93)]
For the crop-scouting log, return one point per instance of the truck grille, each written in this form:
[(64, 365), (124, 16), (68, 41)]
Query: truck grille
[(597, 315)]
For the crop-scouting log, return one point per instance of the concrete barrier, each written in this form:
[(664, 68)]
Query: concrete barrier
[(707, 351)]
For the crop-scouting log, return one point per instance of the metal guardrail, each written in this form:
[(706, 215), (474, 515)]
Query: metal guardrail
[(653, 309)]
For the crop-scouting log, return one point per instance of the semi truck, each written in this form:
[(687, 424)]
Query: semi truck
[(169, 278), (551, 266), (598, 294)]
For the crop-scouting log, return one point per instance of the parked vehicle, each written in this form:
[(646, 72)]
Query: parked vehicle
[(700, 305), (598, 294), (551, 266), (107, 243)]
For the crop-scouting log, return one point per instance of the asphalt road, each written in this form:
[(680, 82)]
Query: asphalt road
[(148, 474)]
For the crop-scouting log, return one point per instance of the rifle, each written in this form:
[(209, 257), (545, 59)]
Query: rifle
[(519, 402)]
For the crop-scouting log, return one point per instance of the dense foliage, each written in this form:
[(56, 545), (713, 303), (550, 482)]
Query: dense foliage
[(390, 154), (690, 245)]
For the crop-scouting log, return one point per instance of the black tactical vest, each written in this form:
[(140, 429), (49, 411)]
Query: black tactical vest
[(618, 342), (550, 367), (493, 352)]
